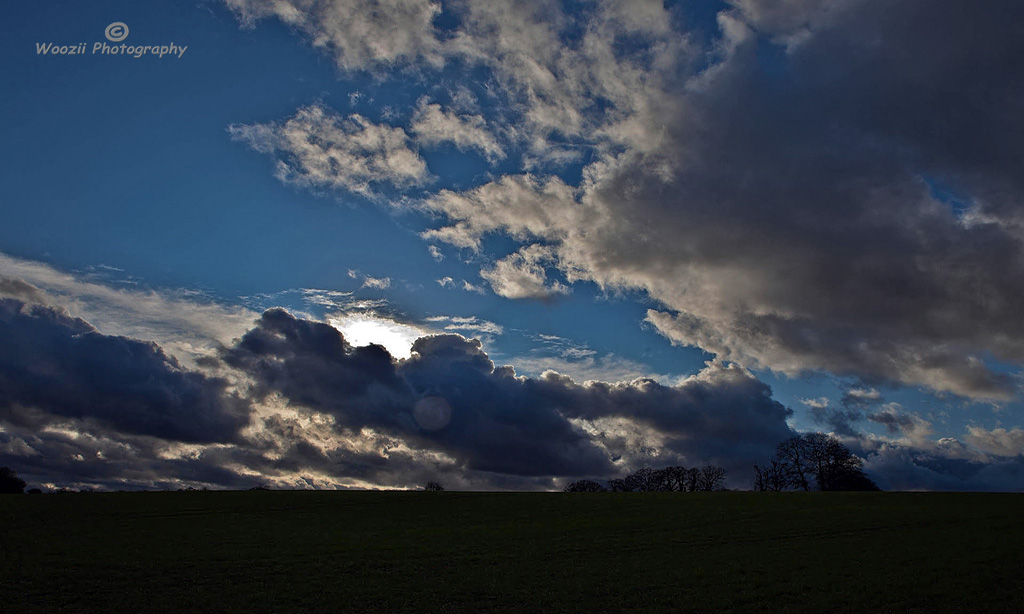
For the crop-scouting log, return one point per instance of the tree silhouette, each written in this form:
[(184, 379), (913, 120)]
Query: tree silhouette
[(794, 456), (692, 479), (772, 477), (10, 483), (433, 487), (647, 480), (813, 456), (711, 477), (675, 478), (585, 486), (670, 479), (619, 485)]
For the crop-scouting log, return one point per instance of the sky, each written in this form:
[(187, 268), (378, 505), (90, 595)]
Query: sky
[(507, 245)]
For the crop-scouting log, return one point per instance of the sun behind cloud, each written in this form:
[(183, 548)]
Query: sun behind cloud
[(366, 329)]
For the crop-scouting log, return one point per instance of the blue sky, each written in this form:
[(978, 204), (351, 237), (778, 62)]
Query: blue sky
[(610, 194)]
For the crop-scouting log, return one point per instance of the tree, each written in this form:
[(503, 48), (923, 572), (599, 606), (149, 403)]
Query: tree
[(585, 486), (711, 477), (433, 487), (794, 456), (10, 483), (772, 477), (692, 479), (675, 478), (836, 468), (619, 485), (813, 456), (647, 480), (855, 480)]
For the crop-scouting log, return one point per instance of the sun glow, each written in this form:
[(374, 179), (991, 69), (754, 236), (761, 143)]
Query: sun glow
[(360, 330)]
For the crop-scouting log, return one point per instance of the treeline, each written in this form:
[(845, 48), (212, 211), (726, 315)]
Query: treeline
[(813, 461), (668, 479)]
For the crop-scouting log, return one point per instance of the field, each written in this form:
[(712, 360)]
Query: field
[(476, 552)]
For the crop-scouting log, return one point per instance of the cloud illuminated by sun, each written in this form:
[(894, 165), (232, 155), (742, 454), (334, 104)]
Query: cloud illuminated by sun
[(364, 329)]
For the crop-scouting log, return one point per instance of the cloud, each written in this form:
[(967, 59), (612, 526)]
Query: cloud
[(295, 404), (819, 403), (185, 327), (583, 367), (319, 149), (721, 415), (432, 126), (469, 287), (326, 298), (54, 366), (521, 205), (860, 397), (487, 419), (470, 324), (999, 441), (492, 427), (381, 283), (989, 461), (369, 327), (896, 420), (860, 218), (803, 233), (523, 275), (842, 421), (357, 33), (944, 465)]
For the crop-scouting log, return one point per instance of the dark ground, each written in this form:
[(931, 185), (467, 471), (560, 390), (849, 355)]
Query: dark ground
[(472, 552)]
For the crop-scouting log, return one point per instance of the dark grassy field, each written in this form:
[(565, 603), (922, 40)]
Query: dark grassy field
[(392, 551)]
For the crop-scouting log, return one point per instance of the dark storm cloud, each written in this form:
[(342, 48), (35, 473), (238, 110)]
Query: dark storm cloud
[(449, 396), (491, 425), (843, 420), (944, 465), (723, 415), (54, 366), (312, 365), (83, 409), (816, 193), (840, 421), (80, 455), (895, 422)]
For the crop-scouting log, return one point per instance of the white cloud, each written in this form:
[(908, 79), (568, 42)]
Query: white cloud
[(185, 327), (521, 205), (592, 367), (863, 395), (468, 287), (914, 428), (318, 149), (999, 441), (357, 33), (377, 283), (471, 324), (433, 126), (326, 298), (523, 275)]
